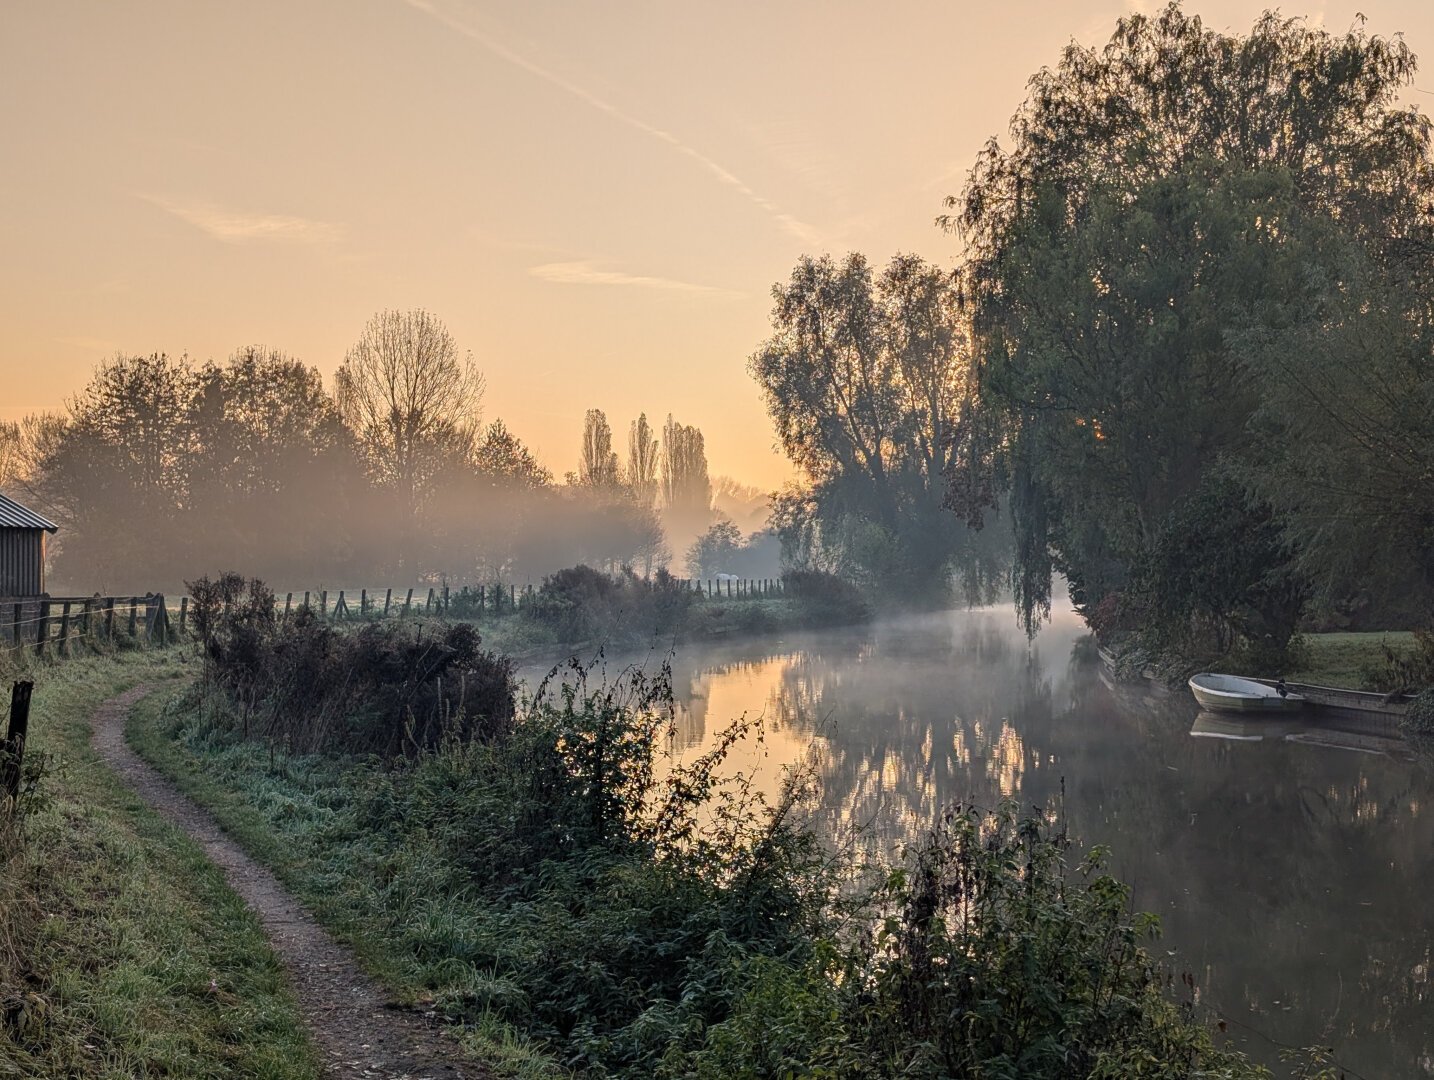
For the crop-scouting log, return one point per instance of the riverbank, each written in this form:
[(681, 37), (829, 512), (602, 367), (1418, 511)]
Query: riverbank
[(122, 950), (573, 909)]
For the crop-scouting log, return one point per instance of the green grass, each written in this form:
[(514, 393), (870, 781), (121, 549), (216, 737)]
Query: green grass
[(131, 954), (291, 812), (1342, 659)]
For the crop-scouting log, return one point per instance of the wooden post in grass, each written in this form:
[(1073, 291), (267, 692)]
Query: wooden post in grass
[(387, 601), (428, 603), (65, 629), (133, 617), (12, 756), (288, 606), (15, 623), (408, 602), (323, 603), (306, 600), (42, 632), (445, 600), (184, 610), (109, 618)]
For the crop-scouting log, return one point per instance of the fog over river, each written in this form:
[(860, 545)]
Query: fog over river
[(1293, 872)]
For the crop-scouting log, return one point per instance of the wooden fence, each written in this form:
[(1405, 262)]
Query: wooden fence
[(479, 601), (52, 625)]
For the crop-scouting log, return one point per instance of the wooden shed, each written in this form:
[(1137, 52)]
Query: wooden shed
[(22, 549)]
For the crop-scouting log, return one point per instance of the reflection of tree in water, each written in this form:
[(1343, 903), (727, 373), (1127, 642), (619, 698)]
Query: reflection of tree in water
[(1291, 878)]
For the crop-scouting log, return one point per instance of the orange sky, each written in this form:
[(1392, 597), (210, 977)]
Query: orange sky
[(595, 197)]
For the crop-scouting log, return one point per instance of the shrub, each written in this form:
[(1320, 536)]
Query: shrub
[(825, 599), (582, 604), (382, 688)]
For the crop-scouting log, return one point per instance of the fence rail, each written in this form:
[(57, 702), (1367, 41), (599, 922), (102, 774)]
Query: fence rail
[(51, 625)]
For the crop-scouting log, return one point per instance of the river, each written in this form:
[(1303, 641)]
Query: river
[(1293, 873)]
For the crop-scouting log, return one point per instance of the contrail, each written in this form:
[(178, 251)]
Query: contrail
[(799, 229)]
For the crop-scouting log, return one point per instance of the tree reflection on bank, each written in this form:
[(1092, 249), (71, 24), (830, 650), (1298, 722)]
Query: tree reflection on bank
[(1291, 874)]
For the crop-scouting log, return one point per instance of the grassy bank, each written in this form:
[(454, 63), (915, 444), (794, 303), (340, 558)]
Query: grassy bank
[(1345, 659), (122, 952)]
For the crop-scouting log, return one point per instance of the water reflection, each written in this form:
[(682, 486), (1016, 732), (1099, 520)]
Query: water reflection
[(1291, 863)]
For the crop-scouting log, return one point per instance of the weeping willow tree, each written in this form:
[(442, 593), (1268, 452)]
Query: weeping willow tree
[(1165, 200)]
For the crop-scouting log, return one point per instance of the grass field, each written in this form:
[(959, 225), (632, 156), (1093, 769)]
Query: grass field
[(1343, 659), (123, 953)]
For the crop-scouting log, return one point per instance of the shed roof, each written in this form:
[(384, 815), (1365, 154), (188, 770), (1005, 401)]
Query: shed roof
[(15, 516)]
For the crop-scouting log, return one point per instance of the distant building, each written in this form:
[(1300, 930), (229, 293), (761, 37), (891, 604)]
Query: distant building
[(22, 549)]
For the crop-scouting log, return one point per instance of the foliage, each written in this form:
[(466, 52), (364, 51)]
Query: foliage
[(722, 549), (826, 599), (382, 689), (1399, 671), (582, 604), (642, 462), (1420, 718), (1217, 575), (1172, 206), (866, 381)]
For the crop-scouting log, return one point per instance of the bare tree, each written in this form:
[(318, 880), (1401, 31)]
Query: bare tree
[(598, 467), (642, 461), (413, 402)]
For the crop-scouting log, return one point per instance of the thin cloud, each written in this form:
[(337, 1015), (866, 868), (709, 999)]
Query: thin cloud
[(240, 227), (585, 272), (724, 176), (88, 344)]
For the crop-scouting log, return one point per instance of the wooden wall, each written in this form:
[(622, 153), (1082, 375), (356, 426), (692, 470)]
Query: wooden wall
[(22, 562)]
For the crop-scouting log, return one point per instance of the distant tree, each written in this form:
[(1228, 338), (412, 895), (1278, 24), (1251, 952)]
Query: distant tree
[(122, 455), (684, 466), (642, 461), (716, 550), (503, 457), (411, 400), (274, 471), (11, 456), (866, 382), (598, 466)]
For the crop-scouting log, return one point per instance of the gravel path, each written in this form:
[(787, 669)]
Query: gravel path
[(358, 1033)]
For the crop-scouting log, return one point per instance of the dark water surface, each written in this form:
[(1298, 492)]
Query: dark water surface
[(1292, 864)]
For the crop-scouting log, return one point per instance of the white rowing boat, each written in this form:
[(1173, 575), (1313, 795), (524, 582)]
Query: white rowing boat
[(1229, 693)]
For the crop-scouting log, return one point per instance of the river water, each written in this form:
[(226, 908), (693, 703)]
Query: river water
[(1291, 864)]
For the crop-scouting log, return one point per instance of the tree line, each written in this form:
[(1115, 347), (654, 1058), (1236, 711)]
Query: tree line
[(160, 470)]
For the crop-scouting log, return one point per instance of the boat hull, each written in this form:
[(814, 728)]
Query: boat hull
[(1241, 696)]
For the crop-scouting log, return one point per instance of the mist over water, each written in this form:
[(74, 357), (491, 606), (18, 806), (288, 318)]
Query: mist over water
[(1286, 869)]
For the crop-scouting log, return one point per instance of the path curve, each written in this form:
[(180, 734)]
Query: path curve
[(358, 1034)]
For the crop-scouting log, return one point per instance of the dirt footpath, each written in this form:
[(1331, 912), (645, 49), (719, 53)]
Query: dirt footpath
[(358, 1034)]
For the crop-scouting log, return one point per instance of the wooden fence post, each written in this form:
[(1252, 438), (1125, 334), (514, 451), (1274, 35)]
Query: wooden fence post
[(13, 755), (133, 617), (363, 603), (408, 602), (288, 604), (65, 629), (42, 634), (387, 600), (428, 603), (15, 625), (184, 611), (445, 600), (513, 596), (109, 618), (323, 603)]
